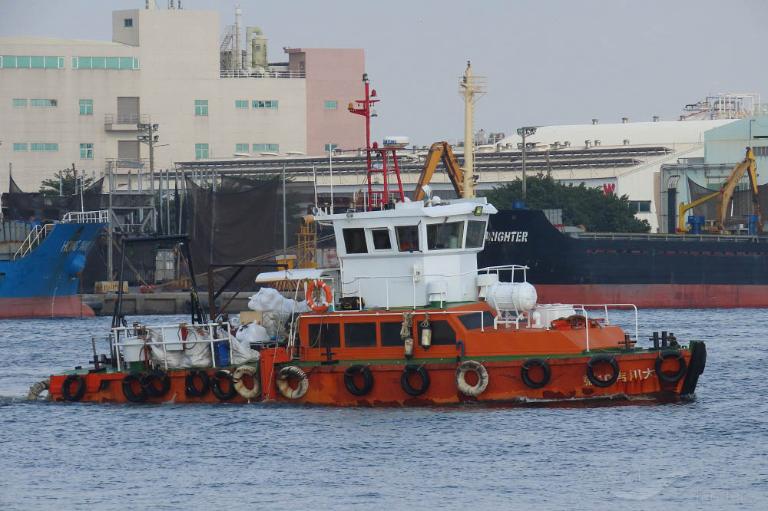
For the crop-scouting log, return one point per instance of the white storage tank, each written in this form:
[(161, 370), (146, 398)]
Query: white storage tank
[(518, 296)]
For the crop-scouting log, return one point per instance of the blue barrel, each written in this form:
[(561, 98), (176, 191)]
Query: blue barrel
[(696, 222), (752, 224), (221, 352)]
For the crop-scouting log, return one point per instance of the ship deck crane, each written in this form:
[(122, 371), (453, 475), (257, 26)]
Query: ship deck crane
[(440, 151)]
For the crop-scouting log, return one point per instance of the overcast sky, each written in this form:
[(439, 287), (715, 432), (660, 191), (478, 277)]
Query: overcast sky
[(546, 62)]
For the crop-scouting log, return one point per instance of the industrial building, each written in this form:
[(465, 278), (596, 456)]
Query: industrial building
[(167, 75)]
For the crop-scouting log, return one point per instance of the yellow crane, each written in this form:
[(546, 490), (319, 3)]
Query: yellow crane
[(748, 166), (440, 151)]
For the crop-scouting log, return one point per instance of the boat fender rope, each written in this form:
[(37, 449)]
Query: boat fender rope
[(157, 383), (217, 388), (461, 378), (526, 376), (675, 377), (423, 375), (602, 359), (129, 393), (349, 380), (66, 387), (38, 388), (240, 386), (284, 386), (191, 380)]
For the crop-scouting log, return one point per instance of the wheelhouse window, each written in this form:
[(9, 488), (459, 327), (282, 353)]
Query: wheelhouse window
[(360, 335), (474, 320), (325, 335), (381, 239), (442, 332), (445, 236), (407, 238), (390, 334), (475, 233), (354, 241)]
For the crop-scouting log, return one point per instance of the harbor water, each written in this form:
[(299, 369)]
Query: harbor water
[(711, 453)]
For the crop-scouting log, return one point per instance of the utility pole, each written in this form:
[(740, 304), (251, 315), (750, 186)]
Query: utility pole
[(525, 132), (148, 135)]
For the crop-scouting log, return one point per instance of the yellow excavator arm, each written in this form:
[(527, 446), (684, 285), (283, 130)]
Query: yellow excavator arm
[(684, 208), (440, 151), (748, 166)]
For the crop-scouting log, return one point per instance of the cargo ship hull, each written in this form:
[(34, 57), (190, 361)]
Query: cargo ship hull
[(679, 271), (44, 283)]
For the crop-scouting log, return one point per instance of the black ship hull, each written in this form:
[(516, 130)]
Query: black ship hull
[(651, 270)]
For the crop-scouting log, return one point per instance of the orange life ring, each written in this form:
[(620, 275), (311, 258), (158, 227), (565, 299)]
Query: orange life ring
[(310, 295)]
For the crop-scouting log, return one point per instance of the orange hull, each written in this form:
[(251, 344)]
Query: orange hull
[(636, 378)]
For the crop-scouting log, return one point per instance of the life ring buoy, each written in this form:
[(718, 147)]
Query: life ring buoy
[(284, 386), (190, 383), (218, 389), (349, 380), (461, 378), (130, 394), (322, 305), (602, 359), (157, 383), (675, 377), (423, 375), (526, 376), (241, 387), (66, 387)]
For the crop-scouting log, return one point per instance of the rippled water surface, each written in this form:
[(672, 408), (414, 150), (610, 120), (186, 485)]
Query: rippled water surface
[(705, 454)]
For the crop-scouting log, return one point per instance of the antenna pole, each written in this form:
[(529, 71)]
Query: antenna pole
[(469, 143)]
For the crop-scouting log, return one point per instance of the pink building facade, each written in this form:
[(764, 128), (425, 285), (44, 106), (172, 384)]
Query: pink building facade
[(334, 78)]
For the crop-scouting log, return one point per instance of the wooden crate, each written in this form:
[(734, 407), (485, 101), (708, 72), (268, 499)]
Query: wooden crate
[(108, 286)]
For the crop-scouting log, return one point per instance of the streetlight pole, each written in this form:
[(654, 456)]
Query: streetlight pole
[(525, 132)]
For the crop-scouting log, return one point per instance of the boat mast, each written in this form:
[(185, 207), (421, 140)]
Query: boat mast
[(471, 87)]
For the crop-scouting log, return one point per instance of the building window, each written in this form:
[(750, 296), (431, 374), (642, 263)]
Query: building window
[(86, 107), (20, 103), (331, 147), (116, 63), (331, 104), (241, 104), (201, 151), (128, 22), (31, 62), (640, 206), (43, 102), (40, 147), (265, 103), (761, 151), (201, 107), (86, 151), (266, 148), (20, 147), (241, 148)]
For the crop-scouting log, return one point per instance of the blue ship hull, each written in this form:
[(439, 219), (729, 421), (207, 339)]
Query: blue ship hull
[(45, 282)]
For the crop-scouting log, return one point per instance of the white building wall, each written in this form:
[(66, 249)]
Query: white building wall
[(178, 56)]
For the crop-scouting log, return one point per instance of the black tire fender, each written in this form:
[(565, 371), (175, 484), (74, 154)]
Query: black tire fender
[(602, 359), (349, 380), (423, 375), (66, 387)]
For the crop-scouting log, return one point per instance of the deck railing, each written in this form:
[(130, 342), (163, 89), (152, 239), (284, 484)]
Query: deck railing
[(124, 336), (86, 217), (34, 239)]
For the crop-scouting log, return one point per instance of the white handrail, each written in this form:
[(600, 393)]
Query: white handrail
[(87, 217)]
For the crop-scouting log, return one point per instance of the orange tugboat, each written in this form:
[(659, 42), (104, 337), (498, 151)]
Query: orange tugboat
[(406, 320)]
